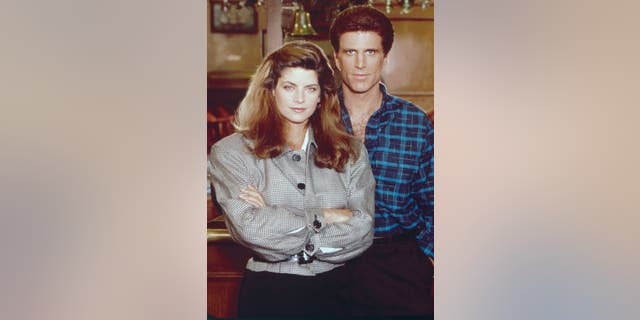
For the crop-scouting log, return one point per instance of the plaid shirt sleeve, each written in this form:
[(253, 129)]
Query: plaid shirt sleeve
[(424, 194)]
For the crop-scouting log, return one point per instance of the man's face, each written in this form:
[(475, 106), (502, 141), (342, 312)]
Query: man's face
[(360, 60)]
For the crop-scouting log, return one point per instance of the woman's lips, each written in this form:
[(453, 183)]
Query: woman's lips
[(298, 110)]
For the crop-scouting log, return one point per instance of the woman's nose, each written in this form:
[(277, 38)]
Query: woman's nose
[(299, 96)]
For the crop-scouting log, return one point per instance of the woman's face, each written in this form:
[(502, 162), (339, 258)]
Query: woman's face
[(297, 95)]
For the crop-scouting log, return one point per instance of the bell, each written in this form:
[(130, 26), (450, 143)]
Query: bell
[(302, 24)]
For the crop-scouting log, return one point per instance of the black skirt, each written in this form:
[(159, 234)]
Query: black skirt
[(268, 294)]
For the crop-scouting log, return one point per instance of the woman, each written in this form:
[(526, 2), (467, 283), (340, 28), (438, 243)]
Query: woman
[(296, 189)]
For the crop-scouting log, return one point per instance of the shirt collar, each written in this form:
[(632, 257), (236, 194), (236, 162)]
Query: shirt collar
[(306, 139), (385, 95), (309, 140), (385, 98)]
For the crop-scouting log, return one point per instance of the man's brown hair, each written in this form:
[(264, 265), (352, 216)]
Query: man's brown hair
[(362, 18)]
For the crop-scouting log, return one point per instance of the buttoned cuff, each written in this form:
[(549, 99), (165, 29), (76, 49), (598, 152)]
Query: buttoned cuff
[(315, 220), (310, 248)]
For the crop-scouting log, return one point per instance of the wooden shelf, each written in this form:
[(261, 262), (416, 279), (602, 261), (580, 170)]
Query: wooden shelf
[(228, 80)]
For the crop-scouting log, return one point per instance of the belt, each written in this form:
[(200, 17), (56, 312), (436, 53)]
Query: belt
[(300, 258), (402, 237)]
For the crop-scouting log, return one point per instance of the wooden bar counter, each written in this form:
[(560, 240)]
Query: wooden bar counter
[(226, 262)]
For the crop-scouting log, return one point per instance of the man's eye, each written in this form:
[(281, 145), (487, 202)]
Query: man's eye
[(371, 52), (350, 52)]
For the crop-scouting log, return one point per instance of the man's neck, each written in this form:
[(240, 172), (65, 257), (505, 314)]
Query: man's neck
[(361, 103)]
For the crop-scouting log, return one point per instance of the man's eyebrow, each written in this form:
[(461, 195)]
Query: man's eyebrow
[(365, 49)]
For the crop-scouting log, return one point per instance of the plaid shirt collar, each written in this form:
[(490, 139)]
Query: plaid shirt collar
[(382, 113)]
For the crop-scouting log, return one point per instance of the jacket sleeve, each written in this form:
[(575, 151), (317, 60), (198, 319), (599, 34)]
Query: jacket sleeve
[(349, 239), (274, 232)]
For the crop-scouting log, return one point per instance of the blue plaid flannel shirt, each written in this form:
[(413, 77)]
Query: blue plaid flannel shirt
[(399, 138)]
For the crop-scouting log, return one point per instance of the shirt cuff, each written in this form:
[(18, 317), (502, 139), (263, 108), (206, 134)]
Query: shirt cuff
[(327, 250), (315, 220)]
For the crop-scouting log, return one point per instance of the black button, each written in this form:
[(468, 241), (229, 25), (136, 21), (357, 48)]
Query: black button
[(317, 224), (296, 157), (301, 186), (309, 247)]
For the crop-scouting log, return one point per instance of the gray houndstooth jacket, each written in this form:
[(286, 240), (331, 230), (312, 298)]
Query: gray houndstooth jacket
[(295, 192)]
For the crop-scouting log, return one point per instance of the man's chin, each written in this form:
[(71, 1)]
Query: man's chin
[(359, 89)]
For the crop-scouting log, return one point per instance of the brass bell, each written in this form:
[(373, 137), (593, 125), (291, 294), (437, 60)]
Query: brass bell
[(302, 24)]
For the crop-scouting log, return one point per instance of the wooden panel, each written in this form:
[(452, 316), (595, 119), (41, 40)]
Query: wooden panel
[(410, 61), (226, 257), (222, 297), (409, 69), (226, 262), (425, 101)]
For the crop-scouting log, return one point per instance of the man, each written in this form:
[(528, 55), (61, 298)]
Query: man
[(395, 276)]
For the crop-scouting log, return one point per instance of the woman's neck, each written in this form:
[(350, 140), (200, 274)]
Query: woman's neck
[(295, 136)]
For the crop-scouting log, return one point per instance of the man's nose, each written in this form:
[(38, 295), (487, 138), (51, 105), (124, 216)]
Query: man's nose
[(360, 61)]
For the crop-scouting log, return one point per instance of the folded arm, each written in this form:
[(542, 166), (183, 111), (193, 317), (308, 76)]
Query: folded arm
[(349, 232), (273, 232)]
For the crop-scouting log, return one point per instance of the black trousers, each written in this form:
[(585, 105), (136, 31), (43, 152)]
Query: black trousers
[(392, 279), (268, 294)]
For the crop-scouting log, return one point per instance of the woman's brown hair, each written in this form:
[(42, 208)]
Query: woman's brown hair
[(258, 119)]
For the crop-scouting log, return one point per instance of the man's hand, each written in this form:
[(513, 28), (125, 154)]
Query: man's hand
[(337, 215), (251, 196)]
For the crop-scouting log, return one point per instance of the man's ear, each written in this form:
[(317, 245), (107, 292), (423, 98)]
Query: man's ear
[(335, 60)]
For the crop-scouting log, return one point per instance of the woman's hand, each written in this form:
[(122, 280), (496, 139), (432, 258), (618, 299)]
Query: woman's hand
[(337, 215), (251, 196)]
